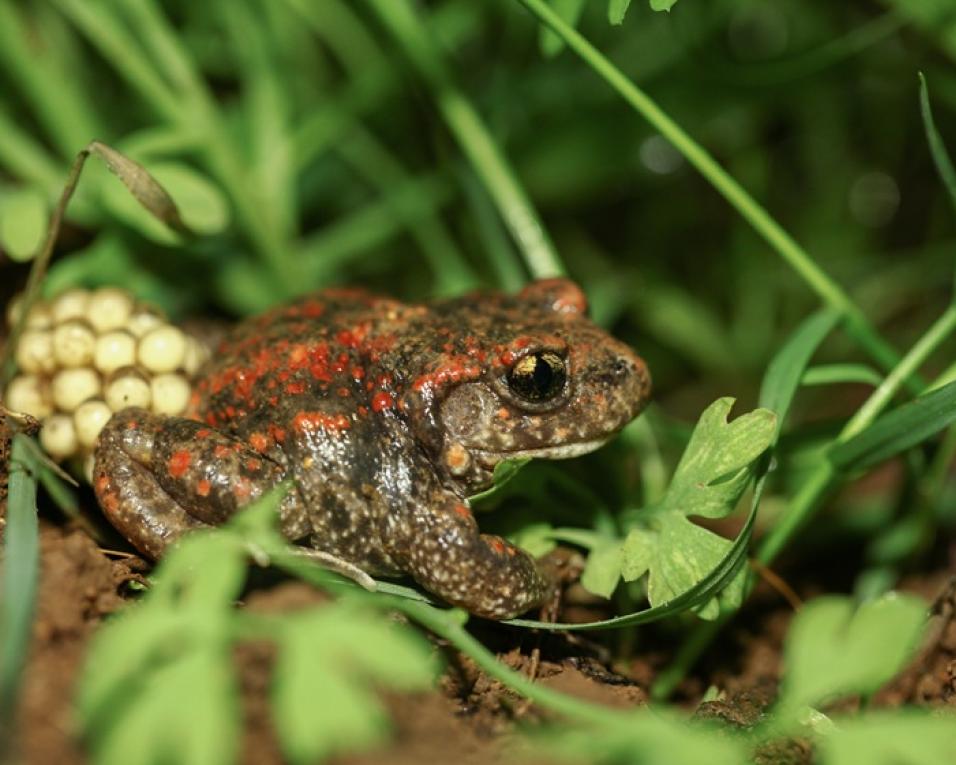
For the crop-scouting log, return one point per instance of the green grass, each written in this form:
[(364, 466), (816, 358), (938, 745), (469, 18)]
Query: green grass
[(747, 192)]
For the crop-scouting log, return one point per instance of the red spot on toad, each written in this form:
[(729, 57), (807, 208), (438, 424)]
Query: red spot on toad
[(253, 465), (179, 463), (220, 451), (382, 400), (295, 387), (259, 441), (203, 488)]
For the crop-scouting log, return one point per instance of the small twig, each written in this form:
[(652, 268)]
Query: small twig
[(777, 583)]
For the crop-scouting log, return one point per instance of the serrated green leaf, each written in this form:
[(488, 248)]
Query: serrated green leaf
[(23, 223), (898, 737), (677, 554), (616, 9), (603, 569), (187, 713), (662, 5), (203, 571), (835, 649), (717, 466), (900, 429), (569, 10), (718, 461), (341, 650)]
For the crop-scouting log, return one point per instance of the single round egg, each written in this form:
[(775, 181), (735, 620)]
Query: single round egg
[(30, 395), (162, 349), (73, 343), (170, 394), (71, 387), (58, 436), (114, 349)]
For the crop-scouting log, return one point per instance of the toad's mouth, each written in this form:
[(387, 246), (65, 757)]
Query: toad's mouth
[(563, 452)]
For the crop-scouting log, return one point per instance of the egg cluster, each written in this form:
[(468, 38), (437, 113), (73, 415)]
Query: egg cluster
[(86, 354)]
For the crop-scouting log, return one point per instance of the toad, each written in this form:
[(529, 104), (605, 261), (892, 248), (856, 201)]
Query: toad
[(385, 417)]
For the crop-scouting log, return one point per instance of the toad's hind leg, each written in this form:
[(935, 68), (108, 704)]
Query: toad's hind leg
[(443, 550), (157, 477)]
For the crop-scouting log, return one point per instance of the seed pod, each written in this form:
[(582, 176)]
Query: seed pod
[(28, 394), (109, 308), (170, 394), (58, 436), (128, 387), (143, 320), (89, 419), (70, 304), (114, 350), (35, 352), (71, 387), (73, 343), (162, 349)]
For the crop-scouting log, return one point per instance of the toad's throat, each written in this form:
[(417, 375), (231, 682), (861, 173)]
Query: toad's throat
[(562, 452)]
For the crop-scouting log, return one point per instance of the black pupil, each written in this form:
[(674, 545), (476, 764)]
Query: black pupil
[(537, 377)]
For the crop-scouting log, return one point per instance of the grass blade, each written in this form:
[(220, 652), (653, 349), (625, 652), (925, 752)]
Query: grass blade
[(944, 165), (473, 136), (835, 374), (831, 293), (904, 427), (18, 580), (783, 374)]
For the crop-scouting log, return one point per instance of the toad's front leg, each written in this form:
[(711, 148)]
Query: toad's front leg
[(441, 547), (157, 477)]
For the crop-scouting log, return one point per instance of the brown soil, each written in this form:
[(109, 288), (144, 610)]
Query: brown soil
[(469, 719)]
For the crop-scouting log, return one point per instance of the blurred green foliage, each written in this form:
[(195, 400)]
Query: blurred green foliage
[(297, 138)]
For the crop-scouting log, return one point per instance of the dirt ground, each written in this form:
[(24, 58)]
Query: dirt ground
[(469, 718)]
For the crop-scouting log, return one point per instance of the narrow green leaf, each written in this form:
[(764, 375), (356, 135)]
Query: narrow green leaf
[(616, 10), (891, 737), (18, 579), (834, 649), (944, 165), (782, 377), (570, 11), (23, 222), (837, 374), (904, 427)]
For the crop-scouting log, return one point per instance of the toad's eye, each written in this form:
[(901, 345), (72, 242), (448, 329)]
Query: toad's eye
[(538, 377)]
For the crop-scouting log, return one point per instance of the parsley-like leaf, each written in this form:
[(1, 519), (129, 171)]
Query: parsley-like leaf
[(898, 737), (328, 658), (835, 649), (716, 468)]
